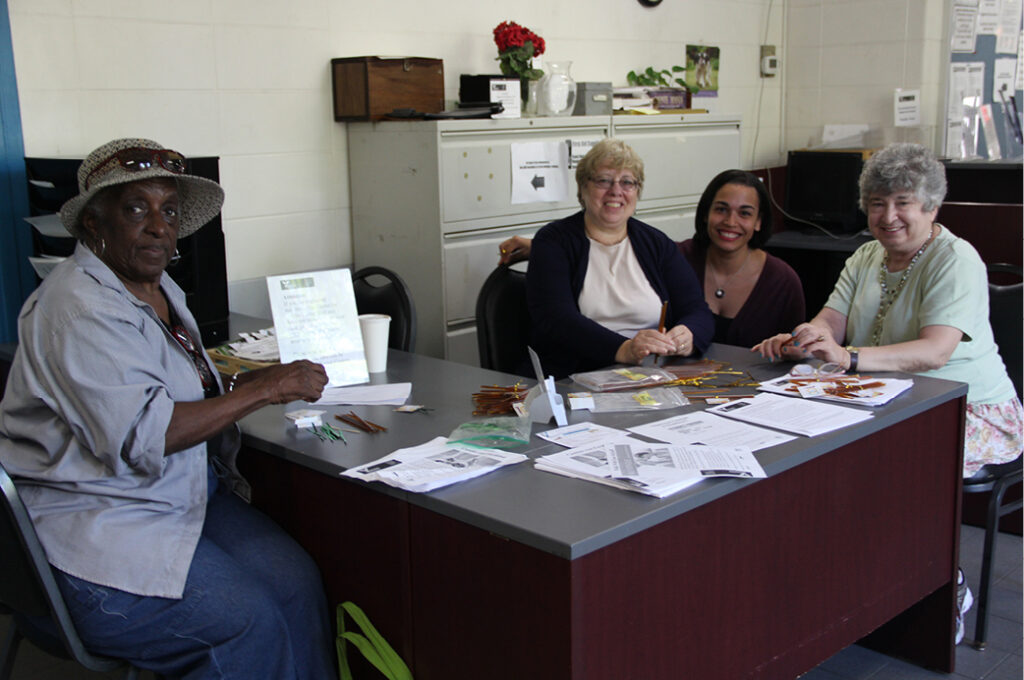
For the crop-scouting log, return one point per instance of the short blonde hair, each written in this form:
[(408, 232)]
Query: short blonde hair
[(612, 153)]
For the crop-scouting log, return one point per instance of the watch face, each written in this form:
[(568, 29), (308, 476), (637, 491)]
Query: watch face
[(650, 3)]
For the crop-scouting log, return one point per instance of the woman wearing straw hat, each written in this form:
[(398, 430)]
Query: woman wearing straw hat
[(122, 441)]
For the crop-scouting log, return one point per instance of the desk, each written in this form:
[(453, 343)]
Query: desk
[(526, 574)]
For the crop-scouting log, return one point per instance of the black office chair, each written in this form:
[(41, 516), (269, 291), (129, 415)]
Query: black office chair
[(1005, 314), (393, 298), (30, 594), (503, 321)]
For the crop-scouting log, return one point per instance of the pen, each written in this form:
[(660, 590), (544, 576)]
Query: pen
[(661, 324)]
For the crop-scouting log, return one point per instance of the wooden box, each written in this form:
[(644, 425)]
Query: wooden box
[(370, 88)]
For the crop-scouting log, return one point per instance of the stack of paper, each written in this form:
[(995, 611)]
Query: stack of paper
[(649, 468), (433, 465), (801, 416), (394, 394), (701, 427)]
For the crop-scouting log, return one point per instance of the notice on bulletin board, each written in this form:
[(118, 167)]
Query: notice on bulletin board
[(540, 172), (315, 318)]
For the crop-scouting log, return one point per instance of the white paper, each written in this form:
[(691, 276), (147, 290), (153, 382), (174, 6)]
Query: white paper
[(540, 172), (654, 469), (49, 225), (988, 16), (1004, 75), (701, 427), (1008, 32), (259, 345), (392, 394), (907, 107), (581, 434), (44, 264), (507, 92), (965, 23), (433, 465), (315, 318), (876, 396), (800, 416)]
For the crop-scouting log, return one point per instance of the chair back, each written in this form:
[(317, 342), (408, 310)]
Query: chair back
[(1006, 315), (381, 291), (30, 592), (503, 321)]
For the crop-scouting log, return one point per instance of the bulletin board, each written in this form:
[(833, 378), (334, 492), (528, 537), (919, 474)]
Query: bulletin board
[(986, 47)]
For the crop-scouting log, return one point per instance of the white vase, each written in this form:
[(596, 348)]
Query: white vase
[(557, 90)]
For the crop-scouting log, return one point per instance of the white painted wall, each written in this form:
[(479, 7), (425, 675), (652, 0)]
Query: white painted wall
[(248, 80)]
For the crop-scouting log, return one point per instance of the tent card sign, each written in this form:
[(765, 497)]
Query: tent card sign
[(315, 318), (542, 401)]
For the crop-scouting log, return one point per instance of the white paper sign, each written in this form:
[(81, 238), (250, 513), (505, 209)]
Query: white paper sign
[(965, 20), (540, 172), (507, 93), (316, 319), (907, 107)]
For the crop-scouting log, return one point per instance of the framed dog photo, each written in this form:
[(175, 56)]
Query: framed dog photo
[(702, 63)]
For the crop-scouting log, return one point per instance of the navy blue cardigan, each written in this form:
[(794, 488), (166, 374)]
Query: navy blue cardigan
[(569, 342)]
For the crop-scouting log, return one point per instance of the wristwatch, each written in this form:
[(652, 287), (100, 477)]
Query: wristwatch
[(854, 356)]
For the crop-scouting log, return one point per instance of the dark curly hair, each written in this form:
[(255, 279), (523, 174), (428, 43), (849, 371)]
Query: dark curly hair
[(743, 178)]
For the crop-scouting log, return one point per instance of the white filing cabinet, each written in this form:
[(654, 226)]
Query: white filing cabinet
[(431, 200)]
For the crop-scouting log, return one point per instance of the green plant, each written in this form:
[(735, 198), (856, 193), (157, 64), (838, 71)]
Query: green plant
[(371, 644), (649, 77)]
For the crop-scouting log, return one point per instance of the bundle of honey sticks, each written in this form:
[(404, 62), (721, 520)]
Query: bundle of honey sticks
[(355, 421), (495, 400)]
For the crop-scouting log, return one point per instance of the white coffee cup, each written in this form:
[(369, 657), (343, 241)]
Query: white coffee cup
[(375, 329)]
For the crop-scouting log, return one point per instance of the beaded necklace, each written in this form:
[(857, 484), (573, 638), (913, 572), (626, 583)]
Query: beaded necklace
[(889, 296)]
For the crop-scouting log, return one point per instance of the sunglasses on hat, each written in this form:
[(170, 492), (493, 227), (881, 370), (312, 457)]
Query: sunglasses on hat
[(137, 159)]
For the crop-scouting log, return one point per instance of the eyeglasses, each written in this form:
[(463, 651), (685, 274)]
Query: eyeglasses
[(826, 370), (137, 159), (628, 185), (185, 340)]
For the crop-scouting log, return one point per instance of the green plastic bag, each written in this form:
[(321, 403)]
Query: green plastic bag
[(370, 644)]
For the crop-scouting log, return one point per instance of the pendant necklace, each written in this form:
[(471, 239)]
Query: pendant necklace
[(719, 288), (889, 296)]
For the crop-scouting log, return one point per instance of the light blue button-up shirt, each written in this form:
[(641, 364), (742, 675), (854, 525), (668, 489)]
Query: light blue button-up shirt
[(82, 427)]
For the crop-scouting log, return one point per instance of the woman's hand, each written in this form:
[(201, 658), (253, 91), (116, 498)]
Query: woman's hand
[(287, 382), (647, 341), (682, 338), (806, 340), (515, 249)]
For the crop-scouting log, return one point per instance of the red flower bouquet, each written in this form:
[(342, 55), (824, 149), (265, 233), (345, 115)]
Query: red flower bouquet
[(517, 46)]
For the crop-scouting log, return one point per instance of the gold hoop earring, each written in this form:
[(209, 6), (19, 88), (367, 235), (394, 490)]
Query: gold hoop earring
[(103, 248)]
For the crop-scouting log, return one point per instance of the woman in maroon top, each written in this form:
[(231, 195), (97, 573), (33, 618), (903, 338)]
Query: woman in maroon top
[(749, 291)]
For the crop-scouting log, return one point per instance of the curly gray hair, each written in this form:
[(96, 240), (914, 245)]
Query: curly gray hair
[(904, 167)]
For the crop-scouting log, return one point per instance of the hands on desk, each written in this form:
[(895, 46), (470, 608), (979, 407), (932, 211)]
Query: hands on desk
[(287, 382), (806, 340), (677, 341)]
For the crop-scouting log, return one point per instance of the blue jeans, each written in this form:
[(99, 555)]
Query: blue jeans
[(253, 607)]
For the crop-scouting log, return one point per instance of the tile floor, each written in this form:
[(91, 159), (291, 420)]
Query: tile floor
[(1002, 660)]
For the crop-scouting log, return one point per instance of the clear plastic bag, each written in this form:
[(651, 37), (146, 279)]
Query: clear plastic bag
[(500, 432), (624, 378), (653, 399)]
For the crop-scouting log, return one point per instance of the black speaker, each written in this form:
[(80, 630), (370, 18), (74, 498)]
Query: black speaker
[(201, 273)]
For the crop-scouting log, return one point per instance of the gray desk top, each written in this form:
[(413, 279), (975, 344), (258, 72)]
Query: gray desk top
[(566, 517)]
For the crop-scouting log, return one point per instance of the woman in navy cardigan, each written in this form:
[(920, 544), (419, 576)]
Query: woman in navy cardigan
[(598, 279)]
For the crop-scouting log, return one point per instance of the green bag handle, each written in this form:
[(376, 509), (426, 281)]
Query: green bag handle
[(371, 644)]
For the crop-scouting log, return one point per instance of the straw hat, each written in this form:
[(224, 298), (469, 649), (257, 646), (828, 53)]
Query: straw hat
[(127, 160)]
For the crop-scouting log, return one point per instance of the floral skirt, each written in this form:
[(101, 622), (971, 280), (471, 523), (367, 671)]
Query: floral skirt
[(995, 434)]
